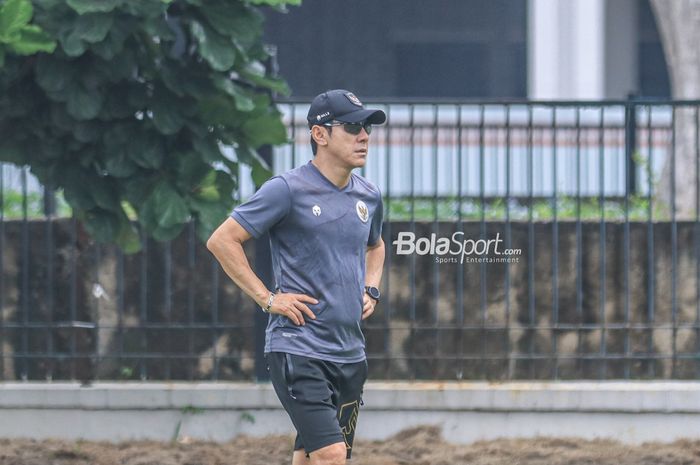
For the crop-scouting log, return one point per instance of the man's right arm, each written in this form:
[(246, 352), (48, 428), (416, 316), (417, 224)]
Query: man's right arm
[(226, 243)]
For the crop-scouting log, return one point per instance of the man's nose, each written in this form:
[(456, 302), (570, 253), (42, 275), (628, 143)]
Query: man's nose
[(363, 134)]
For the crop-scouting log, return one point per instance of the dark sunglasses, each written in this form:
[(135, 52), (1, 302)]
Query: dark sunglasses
[(352, 128)]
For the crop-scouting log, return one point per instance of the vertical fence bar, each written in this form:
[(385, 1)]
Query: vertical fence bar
[(696, 241), (73, 293), (579, 250), (412, 309), (482, 267), (459, 276), (436, 230), (651, 279), (168, 304), (143, 307), (49, 290), (674, 245), (215, 318), (95, 319), (555, 249), (387, 240), (125, 365), (531, 244), (509, 359), (602, 249), (2, 271), (191, 270), (630, 148), (24, 300)]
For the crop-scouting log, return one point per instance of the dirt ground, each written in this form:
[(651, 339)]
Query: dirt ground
[(418, 446)]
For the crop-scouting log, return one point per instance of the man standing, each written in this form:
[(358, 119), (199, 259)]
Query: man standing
[(325, 226)]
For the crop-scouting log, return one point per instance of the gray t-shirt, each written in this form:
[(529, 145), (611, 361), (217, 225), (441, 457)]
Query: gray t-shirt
[(318, 236)]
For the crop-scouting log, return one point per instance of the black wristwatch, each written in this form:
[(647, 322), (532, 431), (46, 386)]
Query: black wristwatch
[(373, 292)]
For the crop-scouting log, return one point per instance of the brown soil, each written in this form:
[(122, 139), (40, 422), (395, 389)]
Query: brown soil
[(418, 446)]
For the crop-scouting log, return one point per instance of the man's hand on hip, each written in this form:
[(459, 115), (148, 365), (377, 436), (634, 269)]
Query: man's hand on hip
[(368, 306), (293, 307)]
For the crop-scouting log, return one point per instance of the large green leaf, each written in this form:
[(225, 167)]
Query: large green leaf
[(265, 129), (236, 20), (94, 6), (166, 206), (255, 73), (71, 43), (82, 103), (215, 48), (93, 27), (14, 15), (32, 40), (113, 44), (244, 102)]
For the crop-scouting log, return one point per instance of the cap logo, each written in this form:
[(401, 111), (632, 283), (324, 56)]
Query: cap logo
[(354, 100), (362, 211), (322, 115), (316, 210)]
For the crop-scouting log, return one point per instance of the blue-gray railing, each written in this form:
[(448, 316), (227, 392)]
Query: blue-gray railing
[(605, 284)]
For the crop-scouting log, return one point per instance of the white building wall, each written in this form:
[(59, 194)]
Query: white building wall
[(581, 49)]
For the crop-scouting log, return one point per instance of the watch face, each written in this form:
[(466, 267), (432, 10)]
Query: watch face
[(373, 292)]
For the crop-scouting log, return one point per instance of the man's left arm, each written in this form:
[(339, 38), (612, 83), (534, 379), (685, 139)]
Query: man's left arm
[(374, 265)]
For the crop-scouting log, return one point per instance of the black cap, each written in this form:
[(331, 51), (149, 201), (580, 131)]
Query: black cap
[(341, 105)]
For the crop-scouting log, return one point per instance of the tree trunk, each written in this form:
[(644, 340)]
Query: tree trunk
[(678, 22)]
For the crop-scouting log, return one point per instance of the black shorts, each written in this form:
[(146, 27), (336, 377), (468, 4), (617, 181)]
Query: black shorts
[(322, 398)]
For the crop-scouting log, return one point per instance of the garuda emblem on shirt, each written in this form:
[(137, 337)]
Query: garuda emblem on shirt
[(362, 211)]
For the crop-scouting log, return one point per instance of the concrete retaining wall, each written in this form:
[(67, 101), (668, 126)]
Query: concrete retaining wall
[(632, 412)]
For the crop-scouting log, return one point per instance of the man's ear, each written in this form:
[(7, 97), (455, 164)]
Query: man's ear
[(320, 135)]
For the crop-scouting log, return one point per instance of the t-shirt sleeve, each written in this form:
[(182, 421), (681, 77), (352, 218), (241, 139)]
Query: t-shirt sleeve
[(267, 207), (375, 230)]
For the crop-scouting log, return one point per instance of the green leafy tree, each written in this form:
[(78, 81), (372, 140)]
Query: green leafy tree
[(129, 115), (17, 35)]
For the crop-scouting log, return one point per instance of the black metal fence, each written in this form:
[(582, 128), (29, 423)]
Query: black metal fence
[(596, 205)]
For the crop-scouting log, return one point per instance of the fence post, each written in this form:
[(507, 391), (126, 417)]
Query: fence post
[(631, 144), (49, 201)]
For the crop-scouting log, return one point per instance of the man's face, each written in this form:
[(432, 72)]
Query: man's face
[(348, 149)]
